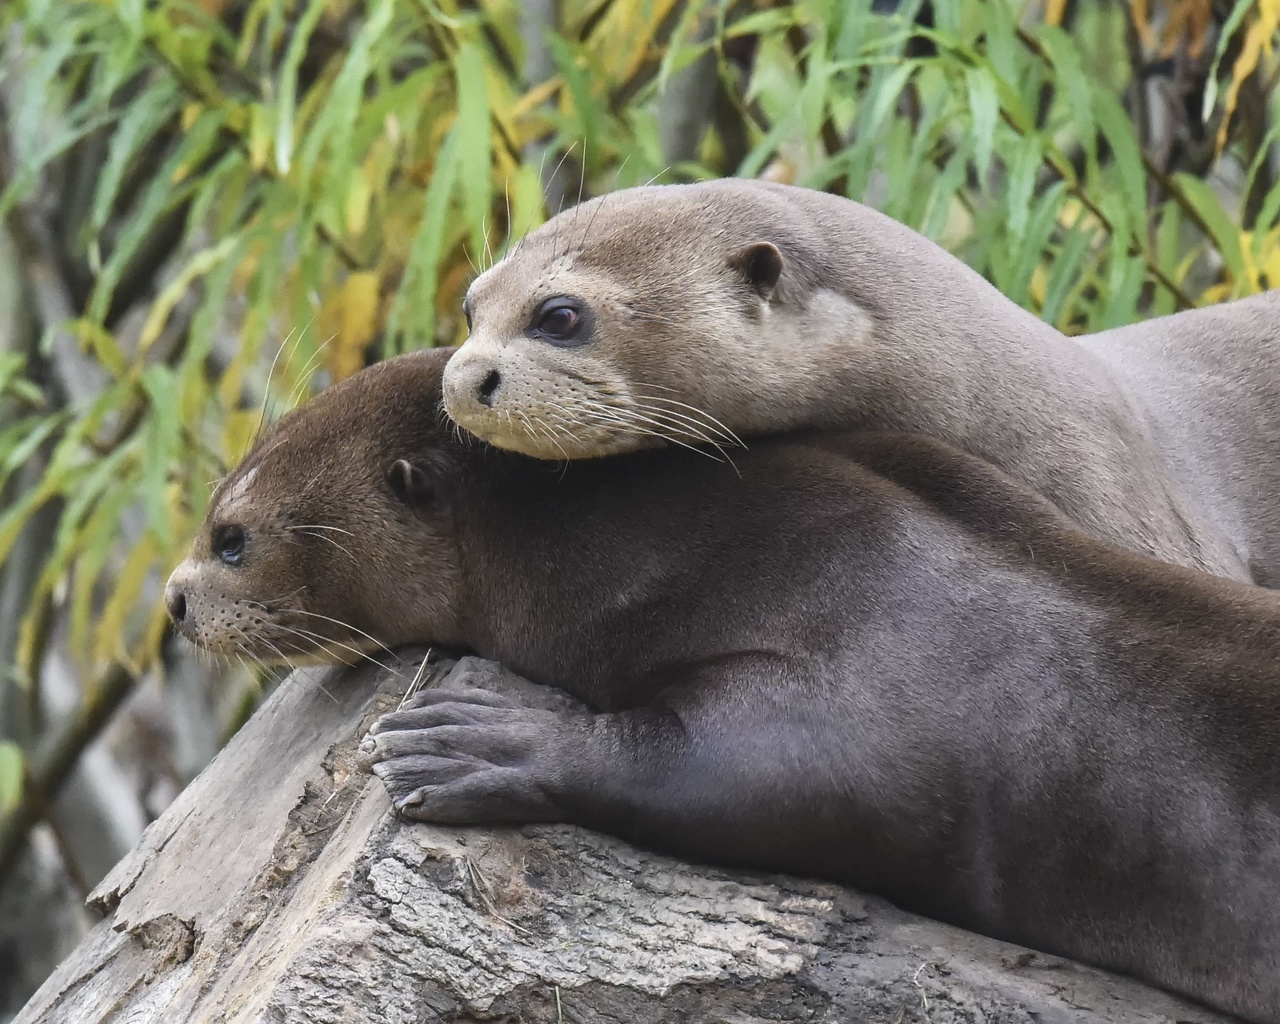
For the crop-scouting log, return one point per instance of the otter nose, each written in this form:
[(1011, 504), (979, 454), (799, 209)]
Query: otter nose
[(176, 601), (490, 384)]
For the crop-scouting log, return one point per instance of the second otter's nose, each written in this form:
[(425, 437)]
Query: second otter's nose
[(488, 386), (176, 601)]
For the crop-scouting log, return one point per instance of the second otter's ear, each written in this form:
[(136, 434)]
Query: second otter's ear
[(412, 483), (761, 264)]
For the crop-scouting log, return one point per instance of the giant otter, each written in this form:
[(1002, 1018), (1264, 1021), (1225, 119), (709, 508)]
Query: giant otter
[(867, 657), (691, 313)]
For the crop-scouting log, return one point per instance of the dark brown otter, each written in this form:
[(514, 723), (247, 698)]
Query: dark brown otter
[(691, 313), (870, 658)]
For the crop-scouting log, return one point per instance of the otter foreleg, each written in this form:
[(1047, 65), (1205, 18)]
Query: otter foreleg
[(736, 762)]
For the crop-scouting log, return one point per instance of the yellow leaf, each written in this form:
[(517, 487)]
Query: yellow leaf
[(1054, 9), (1188, 21), (1039, 285), (351, 317), (238, 432), (261, 133), (1270, 260), (536, 96), (200, 264), (1215, 294), (359, 196), (1250, 267), (1257, 41), (190, 114), (103, 345), (113, 624)]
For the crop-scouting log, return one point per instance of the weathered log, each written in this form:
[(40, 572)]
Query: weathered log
[(279, 887)]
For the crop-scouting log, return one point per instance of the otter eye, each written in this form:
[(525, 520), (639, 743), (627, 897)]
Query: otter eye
[(561, 321), (228, 544), (466, 310)]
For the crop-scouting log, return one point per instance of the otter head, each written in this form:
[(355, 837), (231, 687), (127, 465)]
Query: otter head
[(333, 538), (644, 317)]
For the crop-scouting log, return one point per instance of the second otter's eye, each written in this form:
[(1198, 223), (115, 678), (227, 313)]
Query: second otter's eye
[(228, 544), (559, 321)]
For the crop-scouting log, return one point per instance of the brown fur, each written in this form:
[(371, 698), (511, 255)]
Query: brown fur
[(868, 657), (1161, 437)]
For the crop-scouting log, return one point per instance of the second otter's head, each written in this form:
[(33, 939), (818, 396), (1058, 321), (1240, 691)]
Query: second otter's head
[(636, 319), (333, 537)]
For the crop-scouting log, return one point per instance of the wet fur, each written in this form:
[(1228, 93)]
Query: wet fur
[(867, 657), (1161, 437)]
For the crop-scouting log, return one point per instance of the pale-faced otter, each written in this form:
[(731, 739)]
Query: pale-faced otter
[(870, 658), (691, 313)]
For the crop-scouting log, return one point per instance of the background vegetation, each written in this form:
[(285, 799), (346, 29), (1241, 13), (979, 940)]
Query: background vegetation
[(210, 208)]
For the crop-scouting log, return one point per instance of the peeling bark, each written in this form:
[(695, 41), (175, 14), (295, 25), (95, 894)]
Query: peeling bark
[(279, 888)]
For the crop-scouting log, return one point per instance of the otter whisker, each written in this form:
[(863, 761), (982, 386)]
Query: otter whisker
[(323, 644), (555, 174), (667, 429), (345, 625), (266, 387), (699, 416), (279, 653), (262, 666), (594, 214), (582, 178), (506, 195), (636, 423), (662, 421), (318, 474), (544, 433), (658, 175), (677, 427), (319, 685), (320, 536), (292, 666), (319, 526), (309, 371), (265, 604)]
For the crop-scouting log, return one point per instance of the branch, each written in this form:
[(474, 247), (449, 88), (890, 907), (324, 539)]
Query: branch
[(49, 767)]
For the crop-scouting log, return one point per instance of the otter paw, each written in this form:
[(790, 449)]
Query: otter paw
[(455, 761)]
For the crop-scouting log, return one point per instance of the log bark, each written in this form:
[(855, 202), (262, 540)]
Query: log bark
[(280, 888)]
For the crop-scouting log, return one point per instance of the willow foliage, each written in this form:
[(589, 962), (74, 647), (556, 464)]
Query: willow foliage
[(320, 179)]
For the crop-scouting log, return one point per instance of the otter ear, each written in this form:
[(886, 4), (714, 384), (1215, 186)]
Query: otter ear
[(761, 264), (411, 483)]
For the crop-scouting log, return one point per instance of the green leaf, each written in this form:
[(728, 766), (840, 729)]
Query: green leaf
[(142, 119), (163, 441), (1222, 229), (1069, 72), (1064, 273), (1116, 126), (984, 110), (885, 93), (1022, 179), (1225, 35), (286, 105), (11, 776), (417, 289), (589, 115), (160, 195), (472, 128)]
